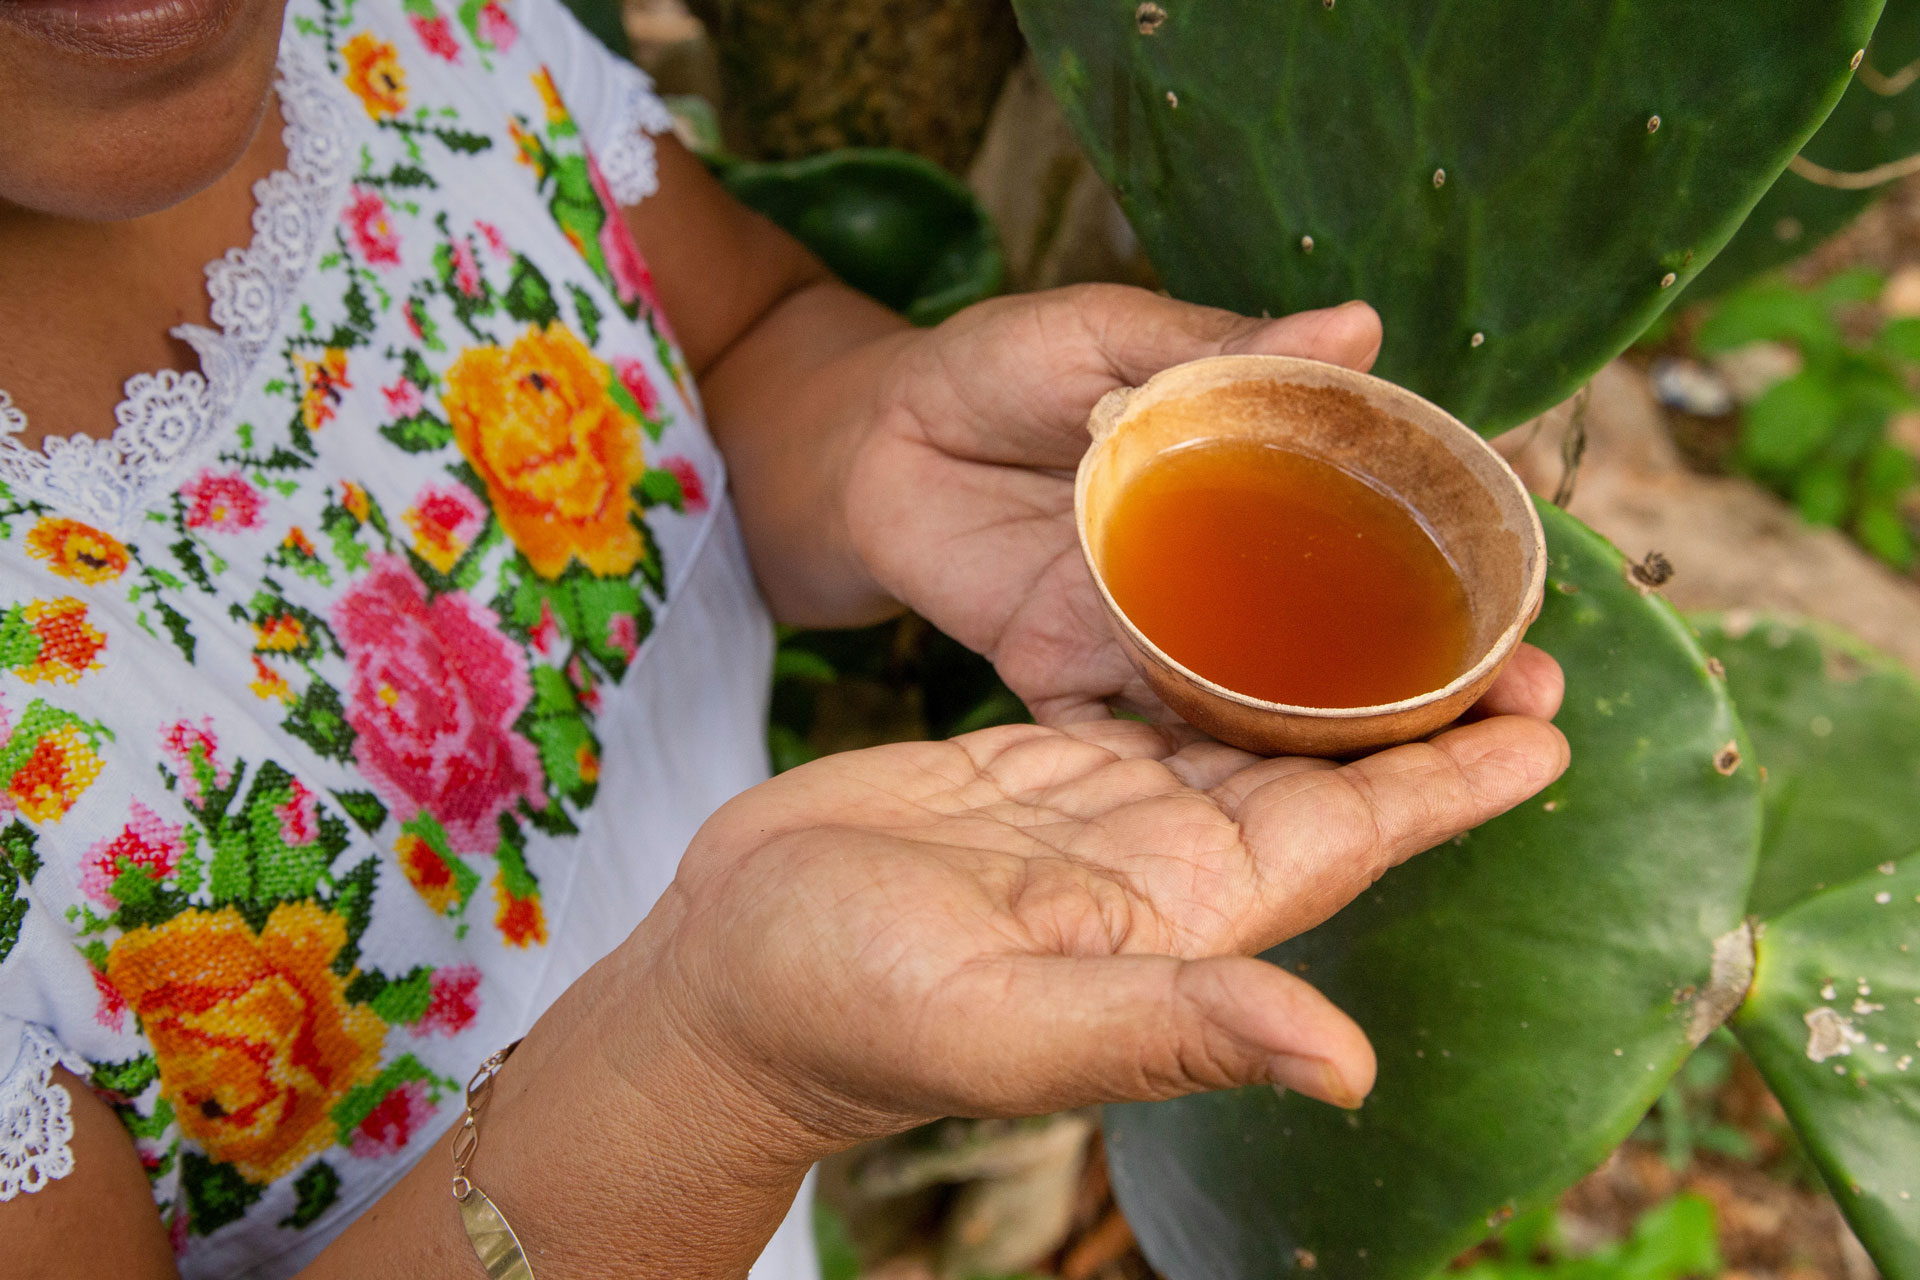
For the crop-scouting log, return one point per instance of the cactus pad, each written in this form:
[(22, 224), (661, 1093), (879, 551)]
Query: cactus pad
[(1837, 727), (1833, 1023), (1529, 991), (1489, 175)]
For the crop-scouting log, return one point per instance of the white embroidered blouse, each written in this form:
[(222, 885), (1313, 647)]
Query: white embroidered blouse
[(366, 686)]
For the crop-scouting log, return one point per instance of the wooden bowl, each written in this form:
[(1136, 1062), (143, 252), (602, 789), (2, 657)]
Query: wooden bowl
[(1467, 496)]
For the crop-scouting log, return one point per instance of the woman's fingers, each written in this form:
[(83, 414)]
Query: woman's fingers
[(1141, 333), (1029, 1034), (1322, 834)]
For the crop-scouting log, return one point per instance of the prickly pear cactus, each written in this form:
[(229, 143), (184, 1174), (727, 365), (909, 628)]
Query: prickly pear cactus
[(1529, 991), (1876, 124), (1518, 187), (1833, 1020)]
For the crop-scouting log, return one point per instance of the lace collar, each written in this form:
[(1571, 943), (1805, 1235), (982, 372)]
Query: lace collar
[(168, 419)]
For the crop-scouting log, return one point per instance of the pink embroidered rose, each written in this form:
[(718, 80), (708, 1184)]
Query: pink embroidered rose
[(222, 500), (393, 1121), (445, 519), (436, 36), (371, 229), (496, 28), (623, 633), (435, 691), (403, 398), (452, 1001), (146, 842), (631, 279), (495, 241), (191, 749), (299, 816), (466, 272), (546, 632), (633, 376), (692, 490), (112, 1013)]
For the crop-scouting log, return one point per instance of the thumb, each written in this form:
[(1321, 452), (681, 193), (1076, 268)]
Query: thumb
[(1069, 1032)]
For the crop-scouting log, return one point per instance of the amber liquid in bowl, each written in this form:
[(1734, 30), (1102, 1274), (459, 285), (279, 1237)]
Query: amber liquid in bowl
[(1284, 578)]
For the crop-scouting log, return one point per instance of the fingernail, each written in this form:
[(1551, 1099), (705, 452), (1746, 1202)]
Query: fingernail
[(1315, 1077)]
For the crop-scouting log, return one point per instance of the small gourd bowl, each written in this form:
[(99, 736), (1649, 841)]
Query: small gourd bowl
[(1460, 489)]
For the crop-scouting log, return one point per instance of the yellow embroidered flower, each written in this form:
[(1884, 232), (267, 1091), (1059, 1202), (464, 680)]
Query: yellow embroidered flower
[(588, 762), (50, 781), (281, 634), (69, 644), (375, 75), (521, 921), (321, 382), (252, 1033), (550, 97), (427, 872), (77, 551), (559, 456), (268, 683), (354, 499)]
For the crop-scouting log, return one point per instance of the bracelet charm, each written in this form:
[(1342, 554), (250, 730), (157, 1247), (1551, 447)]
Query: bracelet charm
[(493, 1240)]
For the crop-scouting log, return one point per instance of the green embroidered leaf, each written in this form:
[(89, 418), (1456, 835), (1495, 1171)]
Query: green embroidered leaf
[(529, 297), (144, 899), (153, 1126), (422, 433), (129, 1078), (406, 999), (353, 902), (187, 555), (317, 1188), (364, 808), (511, 855), (552, 695), (320, 721), (660, 487), (17, 847), (19, 642), (178, 629), (13, 910), (569, 753), (608, 612), (589, 313), (216, 1193), (623, 397)]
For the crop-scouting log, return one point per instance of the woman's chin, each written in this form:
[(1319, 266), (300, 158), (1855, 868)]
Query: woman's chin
[(121, 108)]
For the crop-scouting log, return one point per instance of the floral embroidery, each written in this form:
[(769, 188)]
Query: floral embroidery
[(147, 845), (322, 380), (375, 76), (445, 520), (559, 455), (436, 689), (222, 501), (50, 641), (436, 37), (77, 551), (372, 230), (49, 761)]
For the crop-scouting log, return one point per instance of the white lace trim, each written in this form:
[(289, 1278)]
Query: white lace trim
[(628, 159), (36, 1115), (166, 419)]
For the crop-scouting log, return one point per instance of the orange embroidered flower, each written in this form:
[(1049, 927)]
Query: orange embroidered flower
[(375, 76), (77, 551), (354, 499), (282, 634), (321, 382), (521, 921), (588, 762), (427, 872), (525, 145), (550, 97), (268, 683), (559, 456), (253, 1034), (50, 780), (69, 645), (445, 520)]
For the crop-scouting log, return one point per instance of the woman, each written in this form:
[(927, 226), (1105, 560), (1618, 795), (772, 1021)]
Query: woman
[(380, 626)]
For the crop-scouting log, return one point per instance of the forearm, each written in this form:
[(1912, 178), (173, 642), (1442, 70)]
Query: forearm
[(612, 1145), (789, 403)]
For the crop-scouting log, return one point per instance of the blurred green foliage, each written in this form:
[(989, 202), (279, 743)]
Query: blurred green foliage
[(1670, 1241), (1685, 1120), (1820, 437)]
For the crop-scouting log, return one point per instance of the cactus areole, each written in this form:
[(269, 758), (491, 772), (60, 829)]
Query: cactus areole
[(1484, 168)]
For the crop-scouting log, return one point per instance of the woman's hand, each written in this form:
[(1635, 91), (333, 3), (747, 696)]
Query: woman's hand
[(960, 499), (1025, 919)]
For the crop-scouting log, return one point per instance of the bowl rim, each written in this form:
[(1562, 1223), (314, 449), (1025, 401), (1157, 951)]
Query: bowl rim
[(1109, 416)]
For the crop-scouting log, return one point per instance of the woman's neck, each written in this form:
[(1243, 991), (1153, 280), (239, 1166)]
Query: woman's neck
[(86, 305)]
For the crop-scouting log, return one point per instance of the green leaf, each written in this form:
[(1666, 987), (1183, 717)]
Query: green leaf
[(1882, 529), (1770, 311), (403, 1001), (1837, 727), (216, 1193), (1789, 422), (422, 433), (839, 1260), (1832, 1022), (1900, 340), (1888, 472), (1468, 168), (364, 808), (357, 1103), (529, 297), (802, 664), (1822, 494), (318, 1187), (128, 1078), (1528, 989)]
